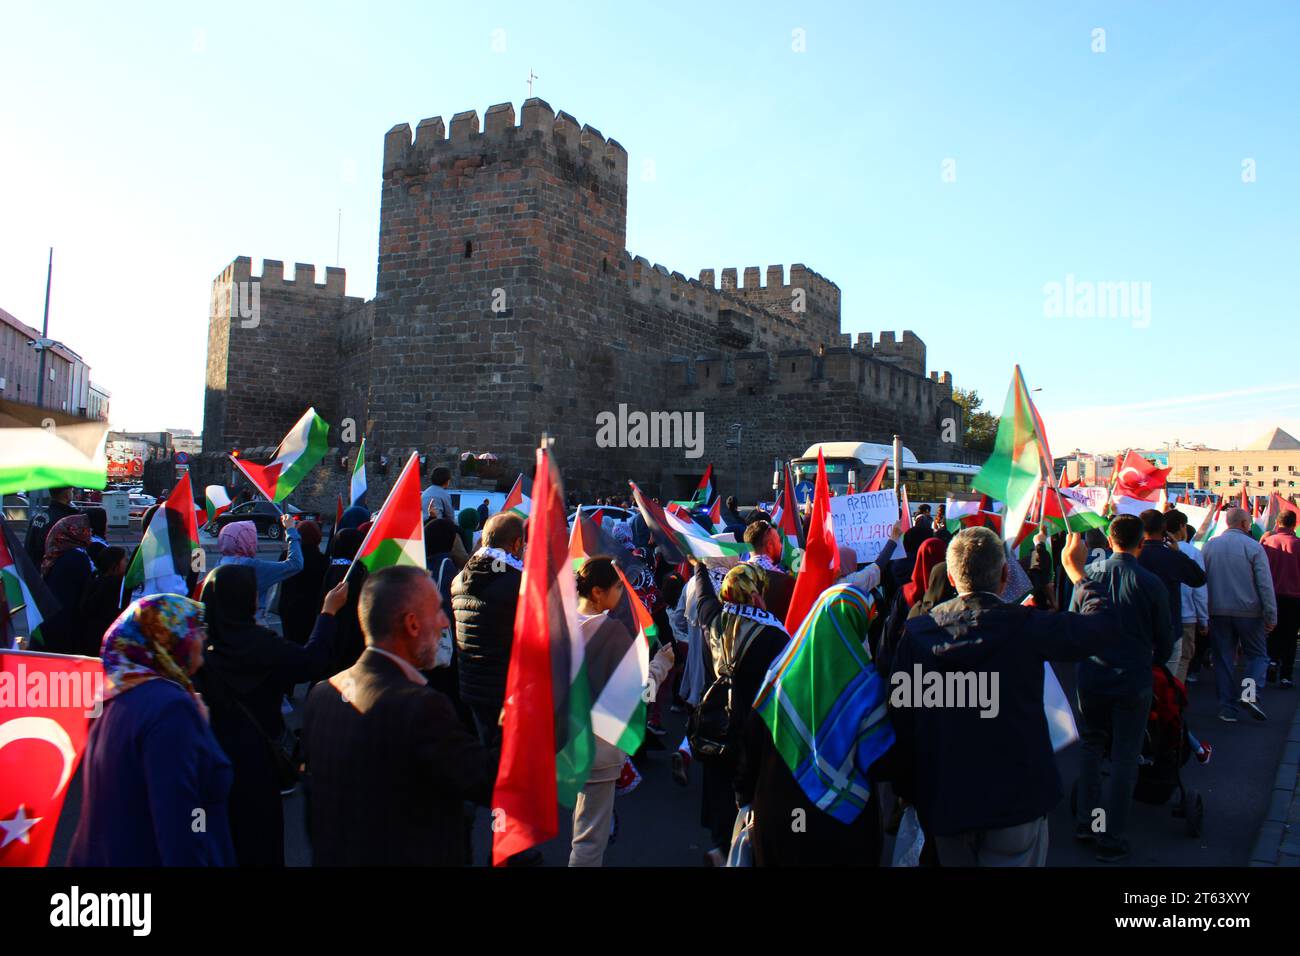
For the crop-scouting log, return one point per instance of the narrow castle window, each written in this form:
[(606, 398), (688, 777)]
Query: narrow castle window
[(469, 248)]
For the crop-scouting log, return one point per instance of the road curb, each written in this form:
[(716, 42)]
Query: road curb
[(1278, 841)]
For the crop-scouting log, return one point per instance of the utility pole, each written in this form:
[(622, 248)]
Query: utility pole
[(45, 334)]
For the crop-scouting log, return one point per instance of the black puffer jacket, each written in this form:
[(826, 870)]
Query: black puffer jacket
[(484, 600)]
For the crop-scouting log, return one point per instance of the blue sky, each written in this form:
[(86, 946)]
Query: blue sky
[(152, 144)]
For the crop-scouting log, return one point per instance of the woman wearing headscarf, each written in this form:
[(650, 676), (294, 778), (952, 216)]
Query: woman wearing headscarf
[(300, 594), (67, 569), (246, 668), (929, 553), (741, 638), (238, 544), (354, 517), (443, 539), (820, 724), (152, 766), (937, 590), (101, 602), (468, 521), (349, 642)]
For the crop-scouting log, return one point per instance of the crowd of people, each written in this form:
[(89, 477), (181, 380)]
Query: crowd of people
[(799, 762)]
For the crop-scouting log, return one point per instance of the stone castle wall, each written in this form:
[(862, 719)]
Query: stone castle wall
[(507, 306)]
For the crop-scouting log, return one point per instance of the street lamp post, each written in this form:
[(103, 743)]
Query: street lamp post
[(44, 343)]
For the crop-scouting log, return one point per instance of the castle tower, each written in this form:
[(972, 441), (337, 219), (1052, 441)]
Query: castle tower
[(499, 256), (273, 350)]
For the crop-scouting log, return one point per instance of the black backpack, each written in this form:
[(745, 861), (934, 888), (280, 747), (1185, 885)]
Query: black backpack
[(709, 730)]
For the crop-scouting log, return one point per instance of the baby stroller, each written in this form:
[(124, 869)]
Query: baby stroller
[(1165, 748)]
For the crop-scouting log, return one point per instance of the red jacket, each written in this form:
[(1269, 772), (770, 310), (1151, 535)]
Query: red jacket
[(1283, 550)]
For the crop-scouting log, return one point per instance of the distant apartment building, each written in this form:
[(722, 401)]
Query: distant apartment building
[(1083, 467), (1271, 464), (67, 385)]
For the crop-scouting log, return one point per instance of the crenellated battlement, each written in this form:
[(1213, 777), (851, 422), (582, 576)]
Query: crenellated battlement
[(857, 367), (558, 133), (801, 277), (272, 276)]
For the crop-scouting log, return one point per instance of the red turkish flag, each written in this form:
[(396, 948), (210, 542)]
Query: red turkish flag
[(821, 558), (46, 703), (1139, 478)]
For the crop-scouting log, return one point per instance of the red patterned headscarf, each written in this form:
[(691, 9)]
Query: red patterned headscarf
[(67, 535)]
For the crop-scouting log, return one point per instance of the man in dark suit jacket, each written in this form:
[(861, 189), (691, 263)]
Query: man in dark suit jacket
[(390, 763)]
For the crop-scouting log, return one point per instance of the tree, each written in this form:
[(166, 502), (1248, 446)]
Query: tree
[(981, 427)]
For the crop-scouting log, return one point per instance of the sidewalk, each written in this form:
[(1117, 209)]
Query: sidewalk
[(1278, 842)]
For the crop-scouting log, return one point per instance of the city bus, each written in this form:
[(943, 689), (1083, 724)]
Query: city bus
[(928, 482)]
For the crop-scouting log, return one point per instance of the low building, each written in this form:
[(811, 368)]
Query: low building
[(1271, 464)]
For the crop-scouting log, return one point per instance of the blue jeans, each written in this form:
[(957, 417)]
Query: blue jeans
[(1118, 725), (1227, 633)]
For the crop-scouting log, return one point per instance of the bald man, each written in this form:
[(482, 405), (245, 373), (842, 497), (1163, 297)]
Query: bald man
[(1243, 608), (390, 761)]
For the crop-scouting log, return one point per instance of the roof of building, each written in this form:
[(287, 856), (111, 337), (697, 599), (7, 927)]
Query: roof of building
[(1275, 440)]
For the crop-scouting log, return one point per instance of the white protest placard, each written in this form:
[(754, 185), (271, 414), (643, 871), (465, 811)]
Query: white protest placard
[(1196, 516), (863, 522), (1093, 497)]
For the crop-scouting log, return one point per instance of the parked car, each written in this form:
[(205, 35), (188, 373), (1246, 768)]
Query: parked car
[(613, 512), (138, 504), (15, 508), (263, 514)]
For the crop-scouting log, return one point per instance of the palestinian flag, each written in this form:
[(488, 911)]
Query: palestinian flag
[(25, 601), (1280, 505), (990, 515), (1265, 517), (1214, 527), (704, 492), (617, 655), (169, 543), (962, 510), (587, 538), (787, 520), (715, 517), (682, 536), (1078, 515), (359, 475), (1020, 459), (217, 500), (821, 560), (598, 518), (297, 455), (66, 455), (396, 535), (904, 508), (547, 744), (520, 499), (877, 478)]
